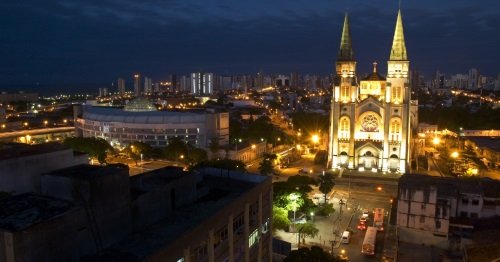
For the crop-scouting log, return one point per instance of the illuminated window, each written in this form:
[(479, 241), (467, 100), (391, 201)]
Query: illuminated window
[(253, 238), (370, 123), (395, 130), (396, 94), (344, 93), (344, 127)]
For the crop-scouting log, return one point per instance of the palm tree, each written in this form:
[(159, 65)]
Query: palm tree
[(326, 184)]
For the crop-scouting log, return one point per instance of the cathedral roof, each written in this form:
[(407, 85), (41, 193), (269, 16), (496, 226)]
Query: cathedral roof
[(345, 52), (398, 50), (374, 77)]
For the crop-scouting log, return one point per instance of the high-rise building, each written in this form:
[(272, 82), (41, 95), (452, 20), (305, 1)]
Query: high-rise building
[(202, 83), (148, 86), (121, 86), (173, 80), (473, 79), (370, 119), (103, 91), (137, 85)]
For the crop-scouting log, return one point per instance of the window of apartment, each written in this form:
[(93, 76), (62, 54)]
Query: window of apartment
[(463, 214), (253, 238), (438, 224), (465, 201), (475, 202), (474, 215)]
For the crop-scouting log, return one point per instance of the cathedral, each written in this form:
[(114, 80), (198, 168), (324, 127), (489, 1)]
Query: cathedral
[(371, 118)]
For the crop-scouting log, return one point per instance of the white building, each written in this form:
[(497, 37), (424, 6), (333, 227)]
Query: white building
[(430, 209), (148, 86), (121, 86), (140, 121), (371, 120), (202, 83)]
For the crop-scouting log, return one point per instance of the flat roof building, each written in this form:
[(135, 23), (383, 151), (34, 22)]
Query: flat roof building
[(140, 122)]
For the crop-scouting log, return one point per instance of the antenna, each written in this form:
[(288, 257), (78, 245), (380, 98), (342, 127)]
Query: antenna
[(399, 4)]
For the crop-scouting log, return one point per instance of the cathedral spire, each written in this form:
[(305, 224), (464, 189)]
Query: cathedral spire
[(345, 51), (398, 51)]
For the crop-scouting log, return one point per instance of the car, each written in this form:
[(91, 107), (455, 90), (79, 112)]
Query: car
[(363, 219), (361, 226), (365, 214)]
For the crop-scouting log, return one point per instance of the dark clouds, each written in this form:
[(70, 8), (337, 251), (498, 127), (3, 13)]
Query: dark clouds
[(94, 42)]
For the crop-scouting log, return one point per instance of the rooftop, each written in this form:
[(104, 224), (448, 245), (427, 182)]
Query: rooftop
[(222, 191), (88, 172), (22, 211), (492, 143), (15, 150), (106, 114)]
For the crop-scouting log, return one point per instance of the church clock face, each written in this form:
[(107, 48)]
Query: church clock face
[(370, 123)]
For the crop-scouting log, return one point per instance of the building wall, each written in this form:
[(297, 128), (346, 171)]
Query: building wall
[(105, 199), (52, 240), (196, 129), (236, 222), (23, 174)]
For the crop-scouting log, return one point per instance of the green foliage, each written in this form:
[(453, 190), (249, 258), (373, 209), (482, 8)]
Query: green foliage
[(326, 183), (94, 147), (325, 210), (294, 184), (314, 254), (280, 218), (267, 164), (446, 117), (307, 230), (224, 164), (175, 149), (214, 147), (195, 155)]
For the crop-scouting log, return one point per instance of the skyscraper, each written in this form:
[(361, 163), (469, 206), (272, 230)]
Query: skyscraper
[(202, 83), (148, 86), (370, 119), (121, 86), (137, 85)]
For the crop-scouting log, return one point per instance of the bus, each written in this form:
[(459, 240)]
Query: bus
[(378, 219), (368, 247)]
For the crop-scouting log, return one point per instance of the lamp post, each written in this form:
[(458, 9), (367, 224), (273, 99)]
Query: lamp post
[(293, 197), (455, 156), (312, 217)]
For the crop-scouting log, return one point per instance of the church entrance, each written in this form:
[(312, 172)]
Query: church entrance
[(368, 160), (343, 159), (393, 163)]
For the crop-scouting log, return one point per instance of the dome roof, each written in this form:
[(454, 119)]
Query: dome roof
[(140, 104)]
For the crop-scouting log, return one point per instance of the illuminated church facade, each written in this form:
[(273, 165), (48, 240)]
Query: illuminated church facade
[(371, 118)]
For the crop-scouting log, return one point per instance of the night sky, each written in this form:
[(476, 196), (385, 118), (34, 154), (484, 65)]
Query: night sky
[(91, 43)]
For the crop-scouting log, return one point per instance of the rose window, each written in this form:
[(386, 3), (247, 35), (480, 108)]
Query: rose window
[(370, 123)]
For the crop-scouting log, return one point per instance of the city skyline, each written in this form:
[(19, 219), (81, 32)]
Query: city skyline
[(79, 43)]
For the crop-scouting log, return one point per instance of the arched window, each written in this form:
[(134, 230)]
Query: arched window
[(344, 128), (396, 94), (395, 131), (344, 93)]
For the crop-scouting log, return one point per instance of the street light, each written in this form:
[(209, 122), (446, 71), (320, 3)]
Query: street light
[(455, 156), (436, 141), (293, 197), (312, 216), (315, 139)]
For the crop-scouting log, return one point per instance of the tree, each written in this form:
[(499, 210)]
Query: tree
[(195, 155), (176, 149), (93, 146), (280, 218), (326, 183), (267, 164), (314, 254), (307, 230), (227, 164), (214, 147), (136, 149)]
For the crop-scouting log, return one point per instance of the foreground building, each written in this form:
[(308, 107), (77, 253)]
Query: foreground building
[(97, 213), (141, 121), (21, 165), (434, 210), (371, 119)]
